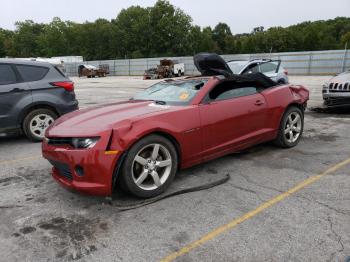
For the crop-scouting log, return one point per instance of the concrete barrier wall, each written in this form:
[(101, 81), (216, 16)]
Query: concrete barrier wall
[(297, 63)]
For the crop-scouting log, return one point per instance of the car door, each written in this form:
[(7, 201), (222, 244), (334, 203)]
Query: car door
[(12, 92), (232, 117)]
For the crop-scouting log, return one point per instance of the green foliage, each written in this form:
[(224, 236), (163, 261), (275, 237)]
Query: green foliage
[(169, 30), (25, 39), (221, 34), (163, 30)]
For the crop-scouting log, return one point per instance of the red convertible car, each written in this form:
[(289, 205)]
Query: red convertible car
[(142, 143)]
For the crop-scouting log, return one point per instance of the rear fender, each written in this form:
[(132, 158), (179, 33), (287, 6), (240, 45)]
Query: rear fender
[(300, 94), (279, 98)]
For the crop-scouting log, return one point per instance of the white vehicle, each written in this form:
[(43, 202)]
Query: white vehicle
[(270, 68), (179, 69), (336, 92)]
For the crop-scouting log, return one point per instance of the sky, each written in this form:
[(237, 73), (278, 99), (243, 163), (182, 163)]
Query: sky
[(241, 15)]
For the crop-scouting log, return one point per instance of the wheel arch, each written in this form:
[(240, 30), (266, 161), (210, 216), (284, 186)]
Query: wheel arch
[(295, 104), (292, 104), (162, 133), (174, 141), (32, 107), (166, 135)]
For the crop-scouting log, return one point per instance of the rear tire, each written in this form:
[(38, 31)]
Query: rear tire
[(36, 123), (291, 128), (149, 167)]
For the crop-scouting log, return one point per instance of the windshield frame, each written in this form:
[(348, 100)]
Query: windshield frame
[(164, 101)]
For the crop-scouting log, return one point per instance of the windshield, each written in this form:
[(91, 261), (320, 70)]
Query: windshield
[(172, 92), (237, 66)]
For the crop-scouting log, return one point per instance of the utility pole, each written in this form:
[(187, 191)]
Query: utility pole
[(345, 57)]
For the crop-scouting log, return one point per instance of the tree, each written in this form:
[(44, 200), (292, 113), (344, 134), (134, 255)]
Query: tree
[(170, 28), (25, 39), (2, 43), (220, 33), (345, 39), (53, 40), (132, 32), (163, 30), (201, 40), (258, 29)]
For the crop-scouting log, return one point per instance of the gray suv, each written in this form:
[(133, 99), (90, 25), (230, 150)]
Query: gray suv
[(32, 95)]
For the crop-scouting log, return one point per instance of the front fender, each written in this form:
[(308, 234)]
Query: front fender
[(183, 126)]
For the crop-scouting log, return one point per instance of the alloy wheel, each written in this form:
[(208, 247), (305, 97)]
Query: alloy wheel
[(151, 167), (293, 127), (39, 124)]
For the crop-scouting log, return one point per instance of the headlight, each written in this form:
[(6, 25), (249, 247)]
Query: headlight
[(84, 143)]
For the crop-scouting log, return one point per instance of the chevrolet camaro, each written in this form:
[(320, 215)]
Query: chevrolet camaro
[(141, 143)]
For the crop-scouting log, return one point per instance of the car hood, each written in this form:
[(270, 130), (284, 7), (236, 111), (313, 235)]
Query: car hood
[(341, 78), (97, 119)]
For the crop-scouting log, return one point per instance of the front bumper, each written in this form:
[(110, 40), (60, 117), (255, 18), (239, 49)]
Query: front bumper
[(339, 99), (68, 107), (88, 171)]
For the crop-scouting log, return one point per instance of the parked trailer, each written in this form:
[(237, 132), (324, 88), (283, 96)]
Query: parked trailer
[(92, 71)]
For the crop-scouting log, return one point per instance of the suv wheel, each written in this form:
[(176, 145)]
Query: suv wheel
[(36, 123)]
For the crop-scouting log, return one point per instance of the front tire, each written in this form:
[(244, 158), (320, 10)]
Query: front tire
[(36, 123), (291, 128), (149, 167)]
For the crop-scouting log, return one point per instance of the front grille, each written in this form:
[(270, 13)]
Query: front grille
[(335, 87), (62, 169), (331, 101)]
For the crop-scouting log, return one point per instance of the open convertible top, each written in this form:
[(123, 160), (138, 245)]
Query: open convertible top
[(212, 64)]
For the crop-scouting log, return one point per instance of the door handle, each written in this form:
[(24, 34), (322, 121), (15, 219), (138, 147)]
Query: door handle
[(259, 103)]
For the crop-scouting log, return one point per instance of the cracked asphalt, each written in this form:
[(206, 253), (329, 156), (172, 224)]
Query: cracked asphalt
[(41, 221)]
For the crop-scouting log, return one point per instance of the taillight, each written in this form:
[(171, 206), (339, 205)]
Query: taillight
[(68, 86), (285, 72)]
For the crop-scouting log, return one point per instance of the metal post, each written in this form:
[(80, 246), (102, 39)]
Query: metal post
[(129, 68), (310, 62), (345, 56)]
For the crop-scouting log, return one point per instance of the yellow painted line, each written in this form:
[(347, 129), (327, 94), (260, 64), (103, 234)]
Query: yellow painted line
[(266, 205), (18, 160)]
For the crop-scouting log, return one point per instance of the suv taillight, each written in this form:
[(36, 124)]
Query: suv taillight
[(68, 86), (285, 72)]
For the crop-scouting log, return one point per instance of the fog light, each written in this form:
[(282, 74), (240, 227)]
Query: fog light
[(79, 171)]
